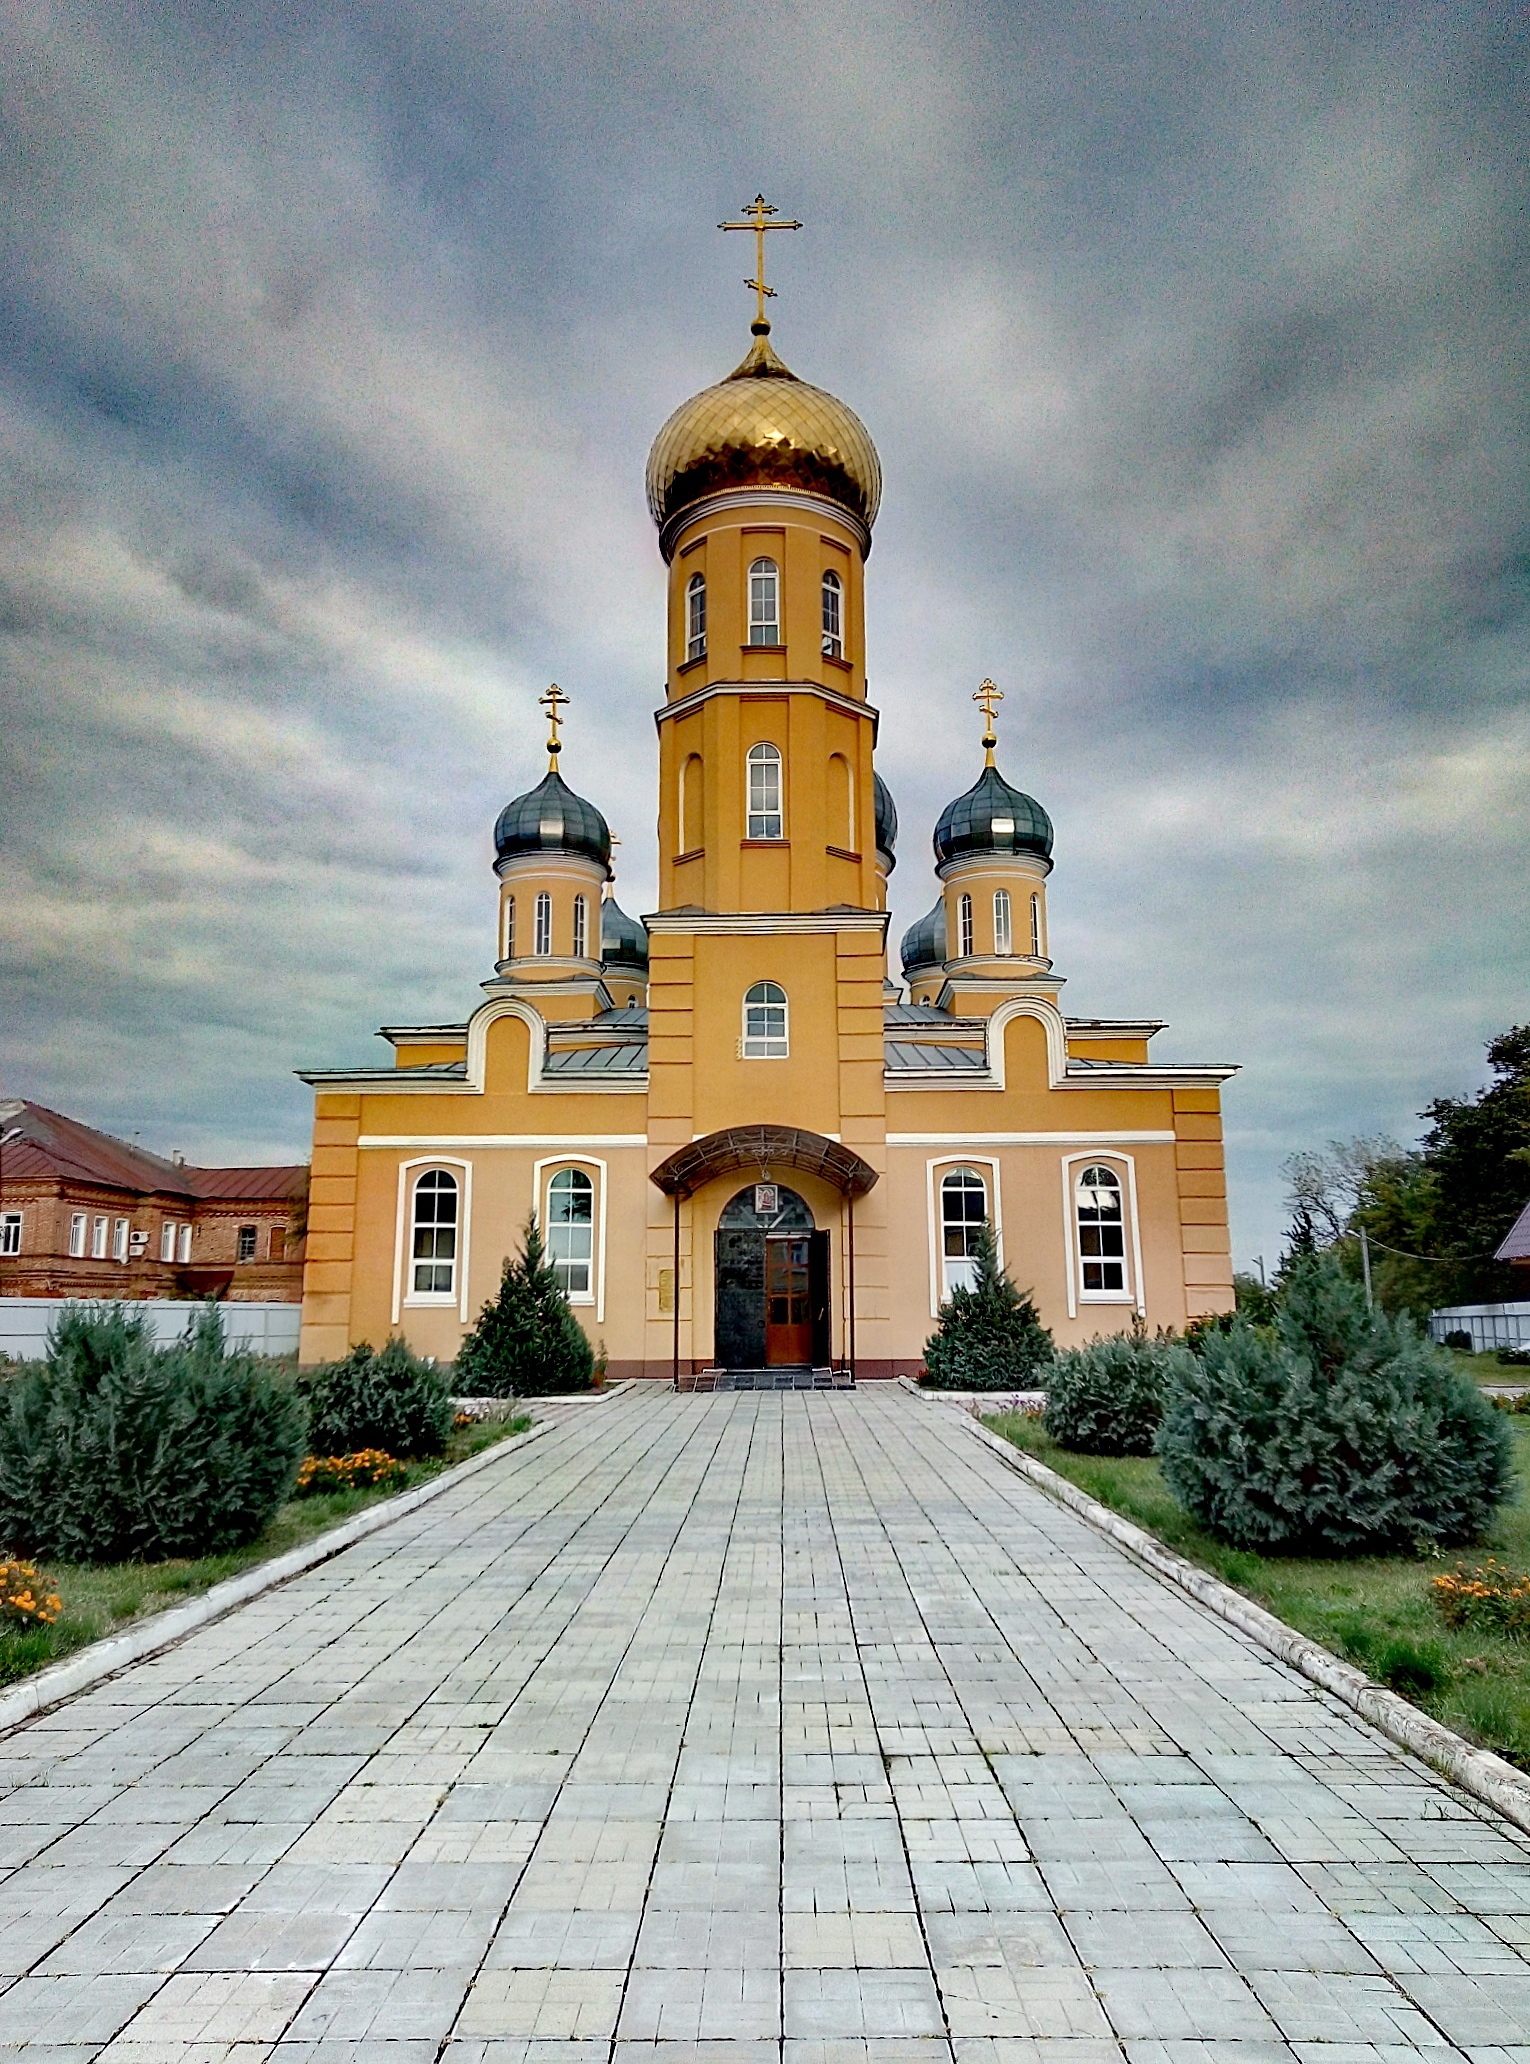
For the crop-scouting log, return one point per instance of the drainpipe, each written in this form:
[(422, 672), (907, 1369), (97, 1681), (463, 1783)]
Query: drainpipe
[(675, 1297), (850, 1223)]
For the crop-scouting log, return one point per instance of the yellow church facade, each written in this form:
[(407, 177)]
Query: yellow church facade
[(748, 1149)]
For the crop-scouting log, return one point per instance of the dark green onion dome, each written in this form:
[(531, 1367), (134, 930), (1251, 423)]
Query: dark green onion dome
[(924, 944), (623, 941), (550, 818), (992, 817), (887, 821)]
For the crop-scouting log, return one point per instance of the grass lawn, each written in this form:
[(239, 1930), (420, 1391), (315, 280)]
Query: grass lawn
[(1491, 1368), (1375, 1611), (102, 1598)]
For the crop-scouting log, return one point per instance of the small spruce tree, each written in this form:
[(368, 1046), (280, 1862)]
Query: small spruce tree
[(526, 1342), (989, 1337)]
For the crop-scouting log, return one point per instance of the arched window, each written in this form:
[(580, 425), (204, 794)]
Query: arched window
[(543, 941), (433, 1250), (508, 952), (833, 617), (963, 1208), (581, 926), (764, 603), (696, 617), (765, 792), (1036, 927), (571, 1230), (1003, 931), (765, 1037), (964, 923), (1101, 1232)]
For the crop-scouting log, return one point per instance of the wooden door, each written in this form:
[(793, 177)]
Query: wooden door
[(788, 1301)]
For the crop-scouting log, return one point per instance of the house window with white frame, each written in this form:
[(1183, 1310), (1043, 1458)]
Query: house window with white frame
[(764, 603), (1035, 927), (167, 1240), (1101, 1232), (833, 617), (100, 1233), (696, 617), (1003, 928), (433, 1245), (571, 1231), (581, 926), (765, 1027), (963, 1209), (77, 1225), (964, 923), (542, 941), (120, 1240), (765, 817), (183, 1251), (10, 1233)]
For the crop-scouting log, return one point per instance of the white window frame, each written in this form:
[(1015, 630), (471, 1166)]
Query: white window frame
[(833, 589), (100, 1236), (968, 1277), (403, 1243), (764, 574), (696, 617), (581, 927), (79, 1234), (551, 1227), (542, 1172), (254, 1253), (1036, 953), (541, 943), (10, 1231), (764, 1045), (120, 1233), (167, 1240), (1124, 1167), (507, 929), (964, 925), (183, 1254), (765, 760), (934, 1173), (1003, 923)]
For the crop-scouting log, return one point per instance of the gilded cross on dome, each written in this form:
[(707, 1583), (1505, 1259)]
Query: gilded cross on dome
[(553, 701), (759, 210), (987, 698)]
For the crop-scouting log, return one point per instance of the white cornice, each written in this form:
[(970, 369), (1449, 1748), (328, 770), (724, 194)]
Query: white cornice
[(765, 923), (851, 705), (996, 862), (540, 1142), (1157, 1138), (751, 498)]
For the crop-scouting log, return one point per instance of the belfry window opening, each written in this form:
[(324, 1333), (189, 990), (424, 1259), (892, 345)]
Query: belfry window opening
[(765, 792), (542, 942), (964, 923), (1003, 933), (433, 1248), (571, 1230), (696, 617), (581, 926), (963, 1209), (508, 952), (1101, 1232), (1035, 927), (765, 1028), (764, 603), (833, 617)]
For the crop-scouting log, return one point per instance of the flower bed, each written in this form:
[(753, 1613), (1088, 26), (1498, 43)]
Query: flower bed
[(369, 1469), (1490, 1598), (25, 1600)]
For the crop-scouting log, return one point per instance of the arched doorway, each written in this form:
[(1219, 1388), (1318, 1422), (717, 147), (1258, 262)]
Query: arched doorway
[(772, 1282)]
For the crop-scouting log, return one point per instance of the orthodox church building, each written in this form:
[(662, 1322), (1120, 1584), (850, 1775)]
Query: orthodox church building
[(748, 1150)]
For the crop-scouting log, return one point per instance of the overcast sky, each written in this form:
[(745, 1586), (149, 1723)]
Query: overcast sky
[(1193, 339)]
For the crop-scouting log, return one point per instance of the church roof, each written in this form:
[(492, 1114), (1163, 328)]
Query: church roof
[(550, 818), (992, 817), (887, 820), (623, 941)]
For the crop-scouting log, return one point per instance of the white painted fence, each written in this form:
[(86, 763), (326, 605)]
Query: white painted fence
[(1490, 1325), (266, 1328)]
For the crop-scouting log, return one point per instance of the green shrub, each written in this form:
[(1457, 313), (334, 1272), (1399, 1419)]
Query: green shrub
[(1340, 1431), (378, 1398), (526, 1342), (990, 1337), (1107, 1398), (115, 1450)]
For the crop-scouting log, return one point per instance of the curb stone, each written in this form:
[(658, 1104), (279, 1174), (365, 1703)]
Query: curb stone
[(1487, 1777), (104, 1658)]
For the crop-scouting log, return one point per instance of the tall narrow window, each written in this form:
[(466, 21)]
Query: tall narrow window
[(543, 940), (1101, 1233), (581, 926), (833, 617), (119, 1240), (10, 1234), (167, 1240), (509, 929), (964, 923), (696, 617), (1003, 932), (571, 1230), (184, 1250), (963, 1208), (98, 1236), (245, 1251), (1036, 927), (433, 1251), (277, 1248), (765, 1035), (765, 792), (764, 603), (77, 1234)]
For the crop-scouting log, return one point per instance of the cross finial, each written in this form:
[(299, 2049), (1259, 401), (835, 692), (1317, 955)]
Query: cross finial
[(759, 211), (553, 701), (605, 887), (987, 698)]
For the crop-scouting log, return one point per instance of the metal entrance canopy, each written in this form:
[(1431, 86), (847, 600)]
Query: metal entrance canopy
[(763, 1146)]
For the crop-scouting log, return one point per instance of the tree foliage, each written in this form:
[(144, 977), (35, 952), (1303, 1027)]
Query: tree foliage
[(526, 1342), (114, 1449), (989, 1337), (1339, 1431), (1107, 1398), (387, 1399)]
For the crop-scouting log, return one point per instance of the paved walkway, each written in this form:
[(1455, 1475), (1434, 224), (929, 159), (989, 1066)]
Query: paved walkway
[(724, 1730)]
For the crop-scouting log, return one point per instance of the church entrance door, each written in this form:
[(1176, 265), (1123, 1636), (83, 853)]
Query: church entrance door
[(788, 1308), (772, 1282)]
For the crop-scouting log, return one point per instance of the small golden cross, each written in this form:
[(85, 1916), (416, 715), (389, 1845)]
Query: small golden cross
[(986, 698), (758, 210), (553, 701)]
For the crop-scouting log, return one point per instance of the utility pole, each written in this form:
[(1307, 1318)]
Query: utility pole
[(1259, 1264), (1365, 1268)]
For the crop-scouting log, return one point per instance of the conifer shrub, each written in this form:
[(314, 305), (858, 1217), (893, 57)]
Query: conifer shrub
[(116, 1450), (1339, 1431), (383, 1398), (1107, 1398), (526, 1342), (989, 1337)]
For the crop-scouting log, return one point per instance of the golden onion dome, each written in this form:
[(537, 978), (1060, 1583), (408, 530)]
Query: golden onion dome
[(763, 427)]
